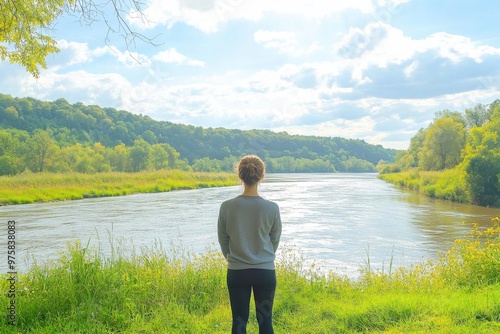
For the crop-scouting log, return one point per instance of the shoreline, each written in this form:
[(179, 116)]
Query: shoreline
[(29, 188), (82, 291)]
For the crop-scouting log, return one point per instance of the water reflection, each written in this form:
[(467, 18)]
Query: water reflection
[(442, 221)]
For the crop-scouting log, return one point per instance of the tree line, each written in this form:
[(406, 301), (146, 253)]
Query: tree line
[(466, 141), (40, 153), (59, 136)]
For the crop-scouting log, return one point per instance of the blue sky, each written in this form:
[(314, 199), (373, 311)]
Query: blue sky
[(372, 70)]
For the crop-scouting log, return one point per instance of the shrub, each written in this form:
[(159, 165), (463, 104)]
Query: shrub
[(474, 260)]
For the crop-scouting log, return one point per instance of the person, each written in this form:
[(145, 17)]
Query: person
[(249, 230)]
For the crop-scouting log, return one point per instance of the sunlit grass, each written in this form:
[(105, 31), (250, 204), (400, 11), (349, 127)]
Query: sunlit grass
[(43, 187), (168, 291), (447, 184)]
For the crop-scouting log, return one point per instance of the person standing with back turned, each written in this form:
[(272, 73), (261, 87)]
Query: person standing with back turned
[(249, 230)]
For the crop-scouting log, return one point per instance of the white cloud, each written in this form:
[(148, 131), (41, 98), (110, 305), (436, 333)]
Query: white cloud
[(109, 89), (284, 42), (455, 47), (360, 41), (128, 58), (207, 15), (381, 44), (75, 53), (172, 56), (384, 86), (353, 129), (263, 82), (311, 9), (381, 61), (408, 70), (381, 85)]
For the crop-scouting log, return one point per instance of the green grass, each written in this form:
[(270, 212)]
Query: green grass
[(42, 187), (447, 184), (159, 291)]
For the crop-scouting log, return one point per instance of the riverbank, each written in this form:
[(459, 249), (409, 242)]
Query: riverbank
[(159, 291), (448, 184), (43, 187)]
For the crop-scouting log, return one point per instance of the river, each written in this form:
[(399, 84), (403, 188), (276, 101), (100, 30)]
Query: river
[(338, 221)]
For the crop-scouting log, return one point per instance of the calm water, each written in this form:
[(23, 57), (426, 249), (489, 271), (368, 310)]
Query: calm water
[(335, 220)]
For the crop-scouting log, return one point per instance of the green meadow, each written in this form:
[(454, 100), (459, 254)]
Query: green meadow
[(42, 187), (156, 290)]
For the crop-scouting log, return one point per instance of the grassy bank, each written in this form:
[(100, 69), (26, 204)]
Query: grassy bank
[(447, 184), (158, 291), (41, 187)]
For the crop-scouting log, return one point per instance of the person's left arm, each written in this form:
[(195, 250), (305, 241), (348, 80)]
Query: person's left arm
[(275, 232)]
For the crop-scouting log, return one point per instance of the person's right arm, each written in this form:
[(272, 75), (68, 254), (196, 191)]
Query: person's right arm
[(223, 236)]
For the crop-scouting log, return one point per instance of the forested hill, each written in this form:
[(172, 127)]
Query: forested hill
[(78, 125)]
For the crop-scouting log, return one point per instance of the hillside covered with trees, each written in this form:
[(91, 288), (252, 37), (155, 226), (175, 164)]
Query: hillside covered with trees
[(456, 157), (61, 137)]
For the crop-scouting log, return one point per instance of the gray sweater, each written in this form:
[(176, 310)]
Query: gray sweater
[(249, 230)]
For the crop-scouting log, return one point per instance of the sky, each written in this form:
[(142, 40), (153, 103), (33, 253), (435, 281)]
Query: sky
[(374, 70)]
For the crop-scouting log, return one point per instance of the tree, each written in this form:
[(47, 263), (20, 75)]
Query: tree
[(159, 156), (119, 157), (173, 156), (77, 123), (482, 161), (455, 115), (41, 147), (10, 113), (482, 177), (25, 26), (11, 151), (355, 165), (99, 158), (476, 116), (416, 144), (150, 137), (7, 165), (139, 155), (207, 165), (22, 25), (444, 141), (491, 108)]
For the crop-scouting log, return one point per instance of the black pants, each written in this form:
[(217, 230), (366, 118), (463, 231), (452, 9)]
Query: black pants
[(240, 284)]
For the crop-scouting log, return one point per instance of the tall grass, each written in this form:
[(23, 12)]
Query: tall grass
[(42, 187), (448, 184), (159, 291)]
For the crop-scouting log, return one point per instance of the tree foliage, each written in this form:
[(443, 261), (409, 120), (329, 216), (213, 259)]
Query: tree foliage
[(472, 152), (129, 142), (40, 153), (443, 143), (416, 143), (26, 26), (482, 161), (483, 179), (40, 150), (476, 116)]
